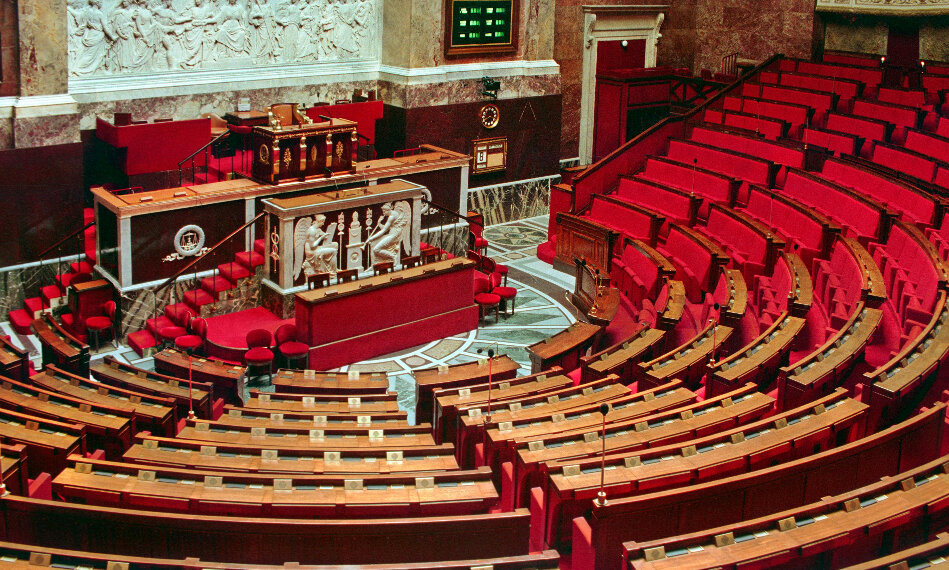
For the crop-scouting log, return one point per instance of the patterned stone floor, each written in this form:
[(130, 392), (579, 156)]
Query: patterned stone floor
[(541, 310)]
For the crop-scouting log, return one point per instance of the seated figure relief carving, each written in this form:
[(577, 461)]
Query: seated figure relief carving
[(109, 37)]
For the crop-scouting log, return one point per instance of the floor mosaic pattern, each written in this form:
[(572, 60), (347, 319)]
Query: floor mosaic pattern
[(541, 310)]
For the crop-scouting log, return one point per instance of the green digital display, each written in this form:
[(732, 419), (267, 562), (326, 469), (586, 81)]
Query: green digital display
[(481, 23)]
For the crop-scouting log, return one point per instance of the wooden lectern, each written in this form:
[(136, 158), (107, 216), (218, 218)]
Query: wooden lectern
[(292, 147)]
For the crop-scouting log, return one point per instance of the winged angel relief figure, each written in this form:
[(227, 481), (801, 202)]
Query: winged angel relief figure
[(391, 233), (314, 250)]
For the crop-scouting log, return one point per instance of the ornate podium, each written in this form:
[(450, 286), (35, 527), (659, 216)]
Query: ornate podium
[(333, 231), (285, 151)]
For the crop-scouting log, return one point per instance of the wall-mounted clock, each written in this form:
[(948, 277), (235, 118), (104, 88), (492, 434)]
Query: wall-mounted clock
[(490, 115)]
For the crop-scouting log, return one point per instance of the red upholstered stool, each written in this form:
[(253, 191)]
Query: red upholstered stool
[(505, 293), (194, 342), (288, 345), (485, 299), (167, 335), (98, 325), (478, 244), (259, 354)]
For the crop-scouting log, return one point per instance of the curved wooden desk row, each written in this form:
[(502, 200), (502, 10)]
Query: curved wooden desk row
[(27, 556), (228, 380), (830, 363), (343, 403), (112, 372), (338, 423), (446, 401), (571, 485), (498, 442), (597, 539), (47, 442), (687, 361), (255, 541), (313, 382), (185, 454), (106, 427), (149, 412), (759, 360), (833, 531), (302, 438), (342, 419), (721, 413), (620, 358), (60, 347), (226, 493)]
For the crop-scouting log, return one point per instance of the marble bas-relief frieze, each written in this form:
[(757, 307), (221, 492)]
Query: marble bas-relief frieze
[(110, 37)]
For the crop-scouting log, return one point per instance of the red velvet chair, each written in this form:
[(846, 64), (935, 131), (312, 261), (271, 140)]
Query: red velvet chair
[(287, 344), (193, 343), (485, 299), (259, 354), (100, 324), (507, 294), (476, 241), (490, 266), (168, 335)]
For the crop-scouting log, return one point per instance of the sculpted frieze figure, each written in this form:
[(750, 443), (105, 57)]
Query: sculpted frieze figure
[(109, 37), (391, 231), (314, 249)]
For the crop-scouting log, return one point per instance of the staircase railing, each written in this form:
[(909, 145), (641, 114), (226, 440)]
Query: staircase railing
[(58, 246), (193, 264), (206, 150), (472, 220)]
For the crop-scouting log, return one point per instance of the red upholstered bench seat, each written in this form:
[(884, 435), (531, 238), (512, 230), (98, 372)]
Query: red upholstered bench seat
[(628, 218), (690, 177), (772, 129), (836, 142), (901, 116), (796, 115), (907, 97), (799, 224), (929, 144), (676, 204), (871, 130), (819, 101), (899, 196), (871, 77), (906, 161), (635, 273), (860, 216), (846, 89), (693, 262), (731, 163)]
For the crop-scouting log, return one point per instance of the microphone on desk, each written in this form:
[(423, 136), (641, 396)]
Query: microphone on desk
[(325, 118), (600, 500)]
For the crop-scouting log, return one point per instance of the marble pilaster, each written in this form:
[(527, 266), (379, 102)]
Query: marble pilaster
[(43, 47)]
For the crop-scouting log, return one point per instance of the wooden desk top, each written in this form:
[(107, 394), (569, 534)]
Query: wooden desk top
[(649, 431), (36, 430), (391, 187), (52, 333), (278, 421), (627, 351), (92, 391), (624, 470), (849, 340), (147, 380), (9, 353), (245, 115), (312, 382), (212, 488), (737, 300), (202, 365), (564, 341), (675, 305), (691, 353), (503, 391), (813, 528), (395, 419), (354, 404), (377, 281), (774, 341), (803, 290), (50, 404), (216, 458), (311, 439), (459, 373)]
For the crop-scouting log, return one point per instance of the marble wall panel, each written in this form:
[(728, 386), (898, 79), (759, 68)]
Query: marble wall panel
[(43, 51), (754, 30), (9, 50), (858, 34), (509, 202), (932, 39), (45, 131)]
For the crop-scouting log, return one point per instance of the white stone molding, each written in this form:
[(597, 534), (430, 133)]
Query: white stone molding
[(612, 23), (885, 7)]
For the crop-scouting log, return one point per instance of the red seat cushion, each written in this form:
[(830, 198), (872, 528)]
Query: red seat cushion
[(171, 333), (188, 342), (258, 356), (293, 349), (505, 292), (487, 299), (98, 323)]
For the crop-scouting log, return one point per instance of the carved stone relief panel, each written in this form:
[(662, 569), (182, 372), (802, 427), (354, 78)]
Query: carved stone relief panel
[(111, 37)]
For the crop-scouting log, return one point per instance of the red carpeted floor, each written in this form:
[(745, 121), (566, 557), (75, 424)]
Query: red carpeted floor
[(227, 333)]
